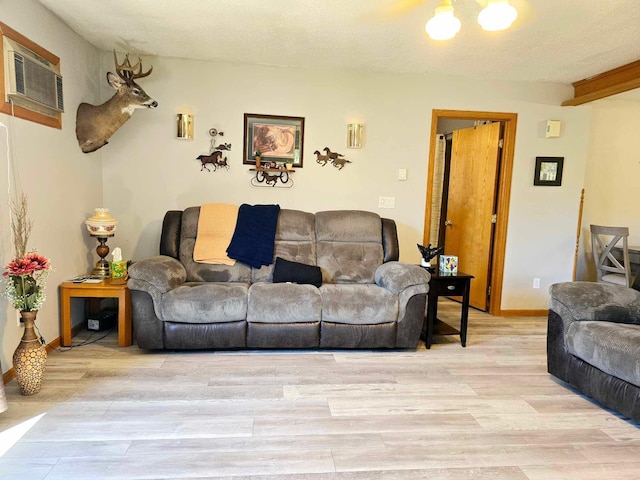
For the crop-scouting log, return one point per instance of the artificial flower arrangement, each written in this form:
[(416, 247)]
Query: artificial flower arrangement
[(26, 273), (26, 277)]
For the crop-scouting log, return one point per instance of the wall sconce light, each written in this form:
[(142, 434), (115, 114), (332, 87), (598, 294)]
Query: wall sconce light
[(354, 135), (184, 126)]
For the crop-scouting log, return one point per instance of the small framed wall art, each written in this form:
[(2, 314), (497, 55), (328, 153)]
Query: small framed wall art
[(274, 138), (548, 171)]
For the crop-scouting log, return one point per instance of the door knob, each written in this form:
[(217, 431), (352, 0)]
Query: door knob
[(448, 223)]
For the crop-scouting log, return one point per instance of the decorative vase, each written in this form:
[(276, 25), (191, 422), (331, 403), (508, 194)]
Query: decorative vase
[(3, 397), (29, 358), (258, 159)]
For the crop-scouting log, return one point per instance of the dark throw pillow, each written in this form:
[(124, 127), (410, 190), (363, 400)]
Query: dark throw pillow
[(294, 272)]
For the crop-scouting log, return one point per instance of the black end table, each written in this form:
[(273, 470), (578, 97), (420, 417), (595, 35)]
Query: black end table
[(449, 285)]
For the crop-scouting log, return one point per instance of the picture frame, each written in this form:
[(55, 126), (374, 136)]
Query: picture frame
[(279, 139), (548, 171)]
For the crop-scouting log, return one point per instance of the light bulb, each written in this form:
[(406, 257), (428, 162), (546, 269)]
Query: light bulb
[(497, 15), (444, 25)]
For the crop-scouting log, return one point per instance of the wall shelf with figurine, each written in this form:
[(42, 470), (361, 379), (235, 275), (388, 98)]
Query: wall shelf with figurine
[(272, 176)]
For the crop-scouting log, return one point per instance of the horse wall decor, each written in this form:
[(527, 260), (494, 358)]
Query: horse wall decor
[(215, 157), (336, 159)]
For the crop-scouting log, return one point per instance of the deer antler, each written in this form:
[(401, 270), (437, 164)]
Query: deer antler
[(126, 71)]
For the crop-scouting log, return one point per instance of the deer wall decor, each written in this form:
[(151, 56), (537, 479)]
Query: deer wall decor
[(96, 123)]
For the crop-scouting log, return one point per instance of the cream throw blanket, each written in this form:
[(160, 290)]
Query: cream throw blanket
[(216, 225)]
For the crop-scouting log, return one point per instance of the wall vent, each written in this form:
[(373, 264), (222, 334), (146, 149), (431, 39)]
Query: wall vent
[(31, 81)]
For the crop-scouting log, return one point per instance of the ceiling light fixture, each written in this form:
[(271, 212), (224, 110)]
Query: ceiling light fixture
[(444, 25), (497, 15)]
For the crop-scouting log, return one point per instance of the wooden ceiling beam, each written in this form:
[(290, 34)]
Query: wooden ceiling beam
[(618, 80)]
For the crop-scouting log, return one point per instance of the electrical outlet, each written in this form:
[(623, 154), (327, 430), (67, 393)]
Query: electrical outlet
[(536, 282), (387, 202)]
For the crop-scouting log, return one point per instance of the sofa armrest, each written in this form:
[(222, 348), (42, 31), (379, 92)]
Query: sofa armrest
[(590, 301), (398, 276), (156, 275)]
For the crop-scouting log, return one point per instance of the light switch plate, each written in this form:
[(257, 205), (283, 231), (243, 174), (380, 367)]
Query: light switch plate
[(402, 174), (387, 202)]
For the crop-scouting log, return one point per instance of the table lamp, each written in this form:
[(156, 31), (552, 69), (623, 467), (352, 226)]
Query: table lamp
[(102, 226)]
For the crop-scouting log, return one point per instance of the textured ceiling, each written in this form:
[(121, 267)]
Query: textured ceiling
[(552, 40)]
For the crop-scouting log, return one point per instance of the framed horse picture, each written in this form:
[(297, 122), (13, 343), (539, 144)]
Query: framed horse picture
[(274, 138)]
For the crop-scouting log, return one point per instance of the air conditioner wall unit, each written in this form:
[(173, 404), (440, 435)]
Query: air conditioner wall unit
[(31, 81)]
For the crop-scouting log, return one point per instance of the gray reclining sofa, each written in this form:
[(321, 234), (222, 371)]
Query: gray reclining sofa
[(367, 298), (593, 342)]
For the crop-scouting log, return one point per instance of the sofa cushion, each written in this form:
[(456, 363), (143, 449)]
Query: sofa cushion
[(295, 241), (203, 272), (283, 303), (358, 304), (285, 271), (613, 348), (205, 303), (349, 245)]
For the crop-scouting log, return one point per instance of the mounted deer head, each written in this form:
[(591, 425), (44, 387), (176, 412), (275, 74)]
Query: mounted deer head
[(96, 123)]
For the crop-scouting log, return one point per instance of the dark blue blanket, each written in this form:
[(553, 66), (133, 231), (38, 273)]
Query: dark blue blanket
[(253, 240)]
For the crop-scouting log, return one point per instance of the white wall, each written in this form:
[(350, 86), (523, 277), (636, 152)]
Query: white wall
[(611, 183), (543, 220), (62, 184), (146, 171)]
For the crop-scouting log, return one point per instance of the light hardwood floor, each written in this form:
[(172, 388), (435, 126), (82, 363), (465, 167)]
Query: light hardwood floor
[(488, 411)]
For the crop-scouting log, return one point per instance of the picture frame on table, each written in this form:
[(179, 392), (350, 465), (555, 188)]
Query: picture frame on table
[(278, 138), (548, 171)]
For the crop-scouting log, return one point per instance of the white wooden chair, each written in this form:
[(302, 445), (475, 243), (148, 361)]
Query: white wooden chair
[(608, 267)]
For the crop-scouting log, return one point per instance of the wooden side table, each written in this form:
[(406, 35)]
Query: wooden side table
[(449, 285), (105, 289)]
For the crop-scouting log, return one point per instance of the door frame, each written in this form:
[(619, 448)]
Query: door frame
[(505, 174)]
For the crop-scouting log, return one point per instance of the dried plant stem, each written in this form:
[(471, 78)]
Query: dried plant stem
[(20, 225)]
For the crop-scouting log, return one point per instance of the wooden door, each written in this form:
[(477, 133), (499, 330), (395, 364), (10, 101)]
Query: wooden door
[(471, 204)]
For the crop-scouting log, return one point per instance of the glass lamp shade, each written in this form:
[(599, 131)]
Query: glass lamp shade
[(497, 15), (101, 224), (354, 135), (184, 127), (444, 25)]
